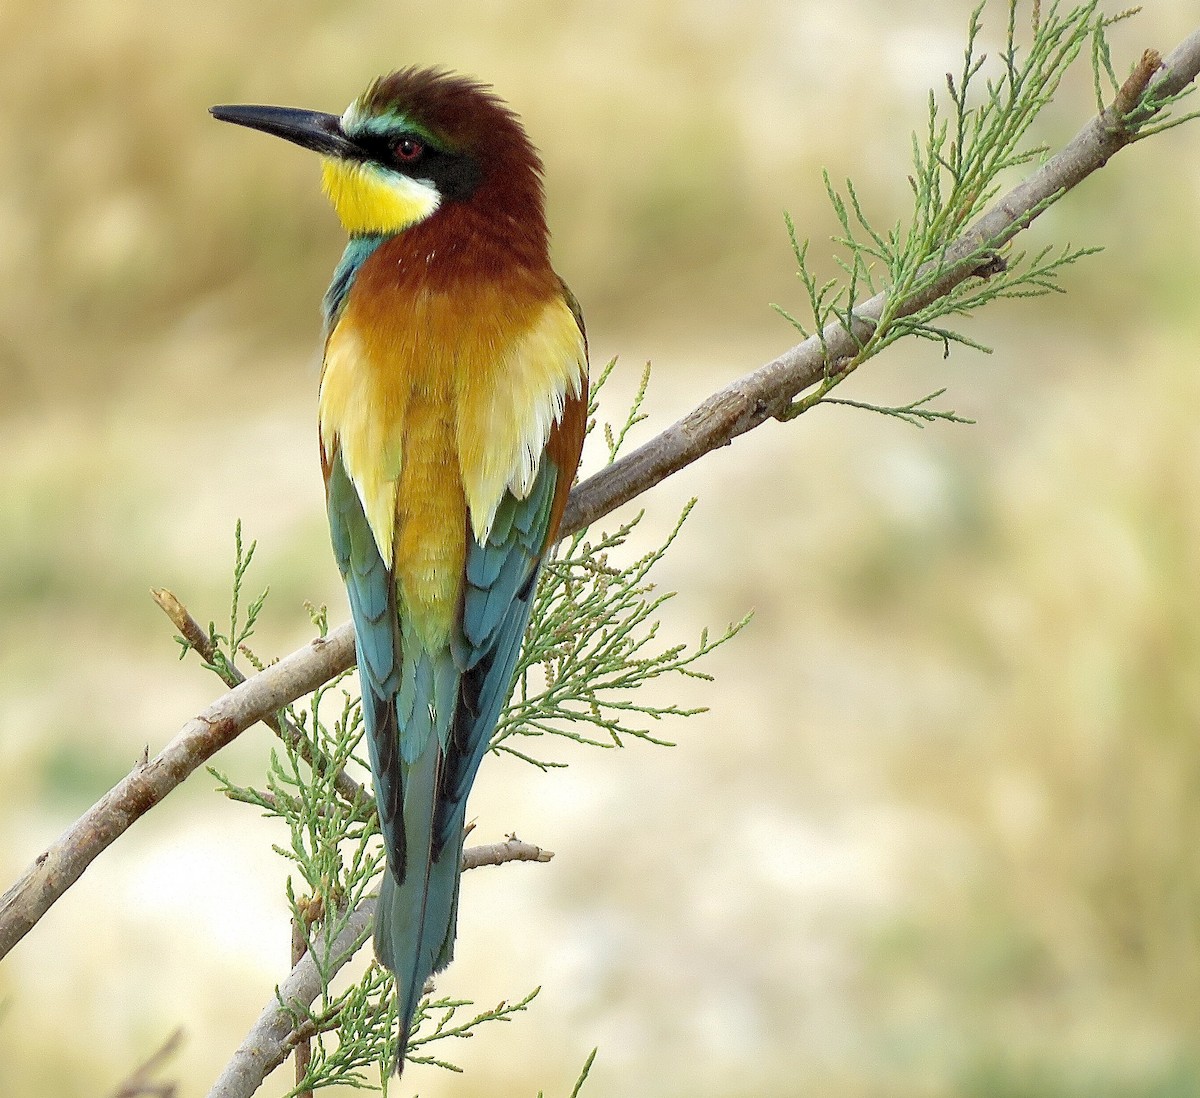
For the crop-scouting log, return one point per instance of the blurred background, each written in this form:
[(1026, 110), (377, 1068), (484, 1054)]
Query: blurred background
[(938, 832)]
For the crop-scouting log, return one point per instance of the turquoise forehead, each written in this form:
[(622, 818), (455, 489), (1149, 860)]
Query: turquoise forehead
[(360, 121)]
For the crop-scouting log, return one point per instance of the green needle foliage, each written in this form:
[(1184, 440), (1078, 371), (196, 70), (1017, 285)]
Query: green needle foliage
[(593, 635), (223, 648), (917, 413), (976, 134)]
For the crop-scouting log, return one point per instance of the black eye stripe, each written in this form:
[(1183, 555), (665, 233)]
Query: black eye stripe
[(456, 175), (378, 146)]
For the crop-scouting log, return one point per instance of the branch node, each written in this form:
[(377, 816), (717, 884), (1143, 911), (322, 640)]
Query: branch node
[(992, 264), (1130, 93)]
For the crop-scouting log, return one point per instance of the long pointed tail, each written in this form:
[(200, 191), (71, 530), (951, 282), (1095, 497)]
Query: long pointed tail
[(415, 917)]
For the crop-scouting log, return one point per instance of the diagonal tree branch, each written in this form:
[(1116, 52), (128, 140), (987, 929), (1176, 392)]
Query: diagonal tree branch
[(746, 403), (273, 1036), (765, 394)]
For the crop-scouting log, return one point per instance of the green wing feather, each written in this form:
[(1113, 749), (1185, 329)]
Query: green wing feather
[(429, 714)]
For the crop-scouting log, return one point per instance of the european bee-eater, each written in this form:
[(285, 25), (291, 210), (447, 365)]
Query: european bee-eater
[(452, 406)]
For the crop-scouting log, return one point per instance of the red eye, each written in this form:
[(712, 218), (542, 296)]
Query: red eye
[(408, 149)]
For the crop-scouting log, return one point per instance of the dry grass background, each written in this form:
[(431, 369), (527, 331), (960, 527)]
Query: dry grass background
[(938, 833)]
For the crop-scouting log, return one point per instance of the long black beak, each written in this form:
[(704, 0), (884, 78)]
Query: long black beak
[(310, 129)]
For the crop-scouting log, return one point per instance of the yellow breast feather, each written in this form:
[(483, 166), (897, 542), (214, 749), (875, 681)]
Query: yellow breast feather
[(507, 406), (365, 421)]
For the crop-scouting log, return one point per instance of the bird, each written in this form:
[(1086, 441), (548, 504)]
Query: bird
[(452, 408)]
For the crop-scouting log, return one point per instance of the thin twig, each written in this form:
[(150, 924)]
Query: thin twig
[(741, 406), (141, 1083), (511, 850), (275, 1034), (286, 730)]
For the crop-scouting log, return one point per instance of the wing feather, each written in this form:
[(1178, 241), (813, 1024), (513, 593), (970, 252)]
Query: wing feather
[(372, 593)]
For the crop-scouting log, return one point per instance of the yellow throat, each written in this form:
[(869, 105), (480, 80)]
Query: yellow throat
[(370, 199)]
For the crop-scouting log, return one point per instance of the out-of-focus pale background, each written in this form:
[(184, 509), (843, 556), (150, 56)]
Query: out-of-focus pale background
[(938, 834)]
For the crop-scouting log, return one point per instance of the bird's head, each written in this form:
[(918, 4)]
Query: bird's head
[(415, 142)]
